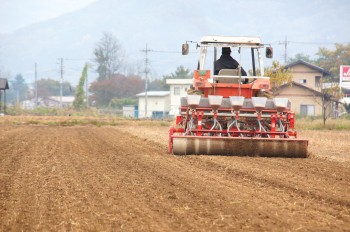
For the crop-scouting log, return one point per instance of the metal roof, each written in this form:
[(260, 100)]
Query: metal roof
[(66, 99), (312, 66), (3, 84), (154, 94), (317, 93)]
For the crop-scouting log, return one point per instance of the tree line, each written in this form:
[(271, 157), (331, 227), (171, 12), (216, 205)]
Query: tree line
[(328, 59), (112, 88)]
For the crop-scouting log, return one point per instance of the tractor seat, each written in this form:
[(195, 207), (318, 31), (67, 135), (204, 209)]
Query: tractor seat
[(229, 73)]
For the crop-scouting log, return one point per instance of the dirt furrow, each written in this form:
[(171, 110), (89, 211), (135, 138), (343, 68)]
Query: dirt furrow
[(276, 187), (103, 179)]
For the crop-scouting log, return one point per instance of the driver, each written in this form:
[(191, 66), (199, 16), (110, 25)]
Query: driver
[(227, 62)]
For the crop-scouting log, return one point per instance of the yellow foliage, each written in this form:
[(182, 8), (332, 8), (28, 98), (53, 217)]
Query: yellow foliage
[(278, 75)]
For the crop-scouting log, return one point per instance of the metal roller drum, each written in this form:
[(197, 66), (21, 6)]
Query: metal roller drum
[(240, 146)]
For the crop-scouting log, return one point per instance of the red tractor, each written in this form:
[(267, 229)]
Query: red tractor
[(230, 114)]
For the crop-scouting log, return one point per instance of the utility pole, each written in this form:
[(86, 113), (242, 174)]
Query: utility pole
[(36, 86), (86, 88), (61, 87), (285, 43), (146, 71)]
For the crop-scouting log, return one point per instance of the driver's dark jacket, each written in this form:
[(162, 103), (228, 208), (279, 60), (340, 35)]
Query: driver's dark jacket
[(227, 62)]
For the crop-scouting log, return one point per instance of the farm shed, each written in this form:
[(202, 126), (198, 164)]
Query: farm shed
[(158, 104), (130, 111), (3, 87)]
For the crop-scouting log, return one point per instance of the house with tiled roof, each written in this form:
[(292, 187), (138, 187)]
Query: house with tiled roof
[(308, 74), (304, 92)]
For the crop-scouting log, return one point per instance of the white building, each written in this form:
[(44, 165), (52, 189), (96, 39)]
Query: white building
[(55, 101), (49, 102), (178, 89), (158, 104), (345, 100), (130, 111)]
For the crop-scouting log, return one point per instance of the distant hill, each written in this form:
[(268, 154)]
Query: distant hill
[(164, 26)]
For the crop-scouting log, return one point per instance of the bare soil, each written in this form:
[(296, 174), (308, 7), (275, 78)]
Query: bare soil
[(89, 178)]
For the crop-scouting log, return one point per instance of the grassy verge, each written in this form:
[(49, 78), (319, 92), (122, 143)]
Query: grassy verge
[(311, 123), (81, 121), (69, 117)]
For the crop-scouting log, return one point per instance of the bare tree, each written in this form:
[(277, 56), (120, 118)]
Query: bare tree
[(328, 98), (108, 56), (330, 95)]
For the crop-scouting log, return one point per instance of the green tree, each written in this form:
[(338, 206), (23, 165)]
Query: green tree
[(180, 73), (49, 87), (108, 56), (158, 85), (300, 56), (78, 102), (332, 59), (278, 75), (18, 89), (118, 103)]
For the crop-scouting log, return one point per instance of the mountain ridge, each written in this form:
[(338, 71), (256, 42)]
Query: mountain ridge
[(163, 26)]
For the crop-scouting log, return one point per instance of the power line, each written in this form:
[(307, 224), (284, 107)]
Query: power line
[(177, 52), (79, 59), (311, 43), (158, 51), (76, 59), (316, 43)]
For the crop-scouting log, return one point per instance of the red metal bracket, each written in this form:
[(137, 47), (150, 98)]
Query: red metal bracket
[(273, 124)]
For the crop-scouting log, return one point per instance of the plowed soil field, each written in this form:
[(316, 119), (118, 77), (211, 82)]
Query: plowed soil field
[(89, 178)]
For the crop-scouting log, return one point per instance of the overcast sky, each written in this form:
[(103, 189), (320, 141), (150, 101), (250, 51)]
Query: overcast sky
[(19, 13), (306, 24)]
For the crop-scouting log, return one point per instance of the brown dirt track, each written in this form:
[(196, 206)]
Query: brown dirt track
[(105, 179)]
